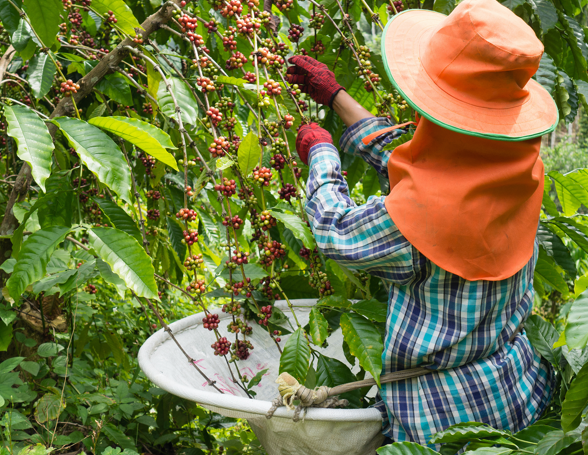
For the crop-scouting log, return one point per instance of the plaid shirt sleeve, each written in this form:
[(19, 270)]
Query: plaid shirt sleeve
[(359, 237), (372, 153)]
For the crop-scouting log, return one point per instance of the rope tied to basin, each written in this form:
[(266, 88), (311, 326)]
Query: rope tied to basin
[(326, 397)]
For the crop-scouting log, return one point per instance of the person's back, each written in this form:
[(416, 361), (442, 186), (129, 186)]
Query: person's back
[(455, 238)]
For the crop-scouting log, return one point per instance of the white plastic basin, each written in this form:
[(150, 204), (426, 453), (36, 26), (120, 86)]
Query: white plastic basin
[(323, 431)]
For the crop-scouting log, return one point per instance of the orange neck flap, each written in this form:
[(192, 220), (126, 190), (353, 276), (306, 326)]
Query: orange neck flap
[(471, 205)]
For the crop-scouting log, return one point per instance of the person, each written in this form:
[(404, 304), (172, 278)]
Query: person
[(456, 236)]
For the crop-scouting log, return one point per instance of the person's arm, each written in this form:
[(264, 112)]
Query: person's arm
[(362, 238), (348, 109)]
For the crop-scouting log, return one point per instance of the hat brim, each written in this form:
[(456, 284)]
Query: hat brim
[(404, 36)]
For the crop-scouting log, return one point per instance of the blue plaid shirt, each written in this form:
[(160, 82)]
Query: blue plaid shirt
[(459, 328)]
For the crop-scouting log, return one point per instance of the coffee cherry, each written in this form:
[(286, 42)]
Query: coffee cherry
[(278, 161), (193, 262), (262, 176), (187, 215), (188, 23), (215, 115), (153, 214), (284, 5), (232, 8), (69, 87), (190, 237), (288, 121), (110, 17), (210, 322), (272, 87), (206, 84), (317, 20), (90, 289), (227, 187), (221, 347), (196, 287), (295, 32), (287, 192), (235, 222)]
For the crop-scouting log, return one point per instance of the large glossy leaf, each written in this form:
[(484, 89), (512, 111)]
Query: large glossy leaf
[(372, 309), (33, 258), (137, 136), (127, 259), (318, 326), (297, 287), (41, 73), (157, 133), (542, 336), (125, 18), (533, 434), (184, 98), (119, 218), (111, 277), (576, 401), (332, 372), (556, 249), (296, 356), (547, 13), (9, 15), (298, 227), (548, 273), (570, 188), (554, 442), (176, 236), (405, 448), (35, 145), (117, 87), (100, 154), (576, 231), (49, 407), (467, 431), (249, 153), (45, 17), (576, 330), (364, 342)]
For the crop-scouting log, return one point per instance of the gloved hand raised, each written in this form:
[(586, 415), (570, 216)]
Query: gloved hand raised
[(308, 136), (314, 78)]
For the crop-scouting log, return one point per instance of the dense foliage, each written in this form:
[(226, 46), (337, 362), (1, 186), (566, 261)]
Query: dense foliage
[(149, 172)]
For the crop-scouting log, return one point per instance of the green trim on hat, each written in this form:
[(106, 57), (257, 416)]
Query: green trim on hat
[(498, 137)]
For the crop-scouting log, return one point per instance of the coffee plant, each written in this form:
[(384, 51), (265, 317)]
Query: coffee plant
[(150, 172)]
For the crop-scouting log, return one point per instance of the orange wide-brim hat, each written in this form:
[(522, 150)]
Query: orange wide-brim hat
[(461, 72)]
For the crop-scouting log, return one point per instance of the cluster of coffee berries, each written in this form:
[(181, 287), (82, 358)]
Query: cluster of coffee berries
[(276, 335), (189, 191), (188, 23), (398, 5), (90, 289), (319, 280), (237, 60), (317, 20), (235, 222), (249, 77), (239, 325), (238, 258), (147, 108), (288, 121), (278, 161), (268, 288), (110, 17), (153, 214), (232, 8), (148, 161), (295, 32), (69, 87), (287, 192), (264, 221), (229, 42), (266, 314), (272, 88), (193, 262), (246, 25), (318, 48), (272, 250), (279, 146), (196, 287), (241, 347), (187, 215), (138, 39), (205, 84), (190, 237), (284, 5), (219, 147), (215, 115), (227, 187), (197, 40), (262, 175), (210, 322), (238, 287), (221, 347), (232, 308), (212, 26), (305, 253)]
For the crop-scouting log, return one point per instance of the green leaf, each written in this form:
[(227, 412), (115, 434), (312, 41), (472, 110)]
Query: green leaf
[(126, 258), (546, 270), (41, 73), (157, 133), (467, 431), (33, 258), (372, 309), (556, 249), (8, 365), (176, 236), (547, 14), (119, 218), (184, 97), (444, 6), (31, 367), (297, 287), (298, 227), (576, 331), (547, 72), (332, 372), (49, 349), (533, 434), (569, 189), (117, 436), (231, 81), (125, 18), (49, 407), (364, 342), (136, 136), (296, 356), (35, 144), (554, 442), (45, 17), (405, 448), (111, 277), (9, 15), (85, 271), (512, 4), (100, 154), (116, 86), (318, 326), (543, 336), (371, 183), (249, 153), (577, 232)]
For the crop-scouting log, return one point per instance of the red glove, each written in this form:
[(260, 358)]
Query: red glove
[(314, 78), (308, 136)]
